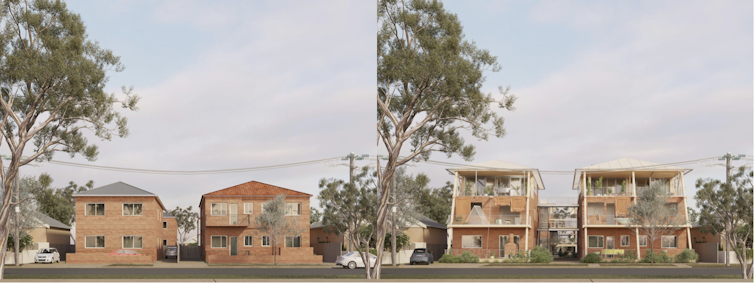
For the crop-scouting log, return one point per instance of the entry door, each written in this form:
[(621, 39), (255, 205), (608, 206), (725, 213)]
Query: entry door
[(233, 245), (610, 242), (233, 212), (503, 241)]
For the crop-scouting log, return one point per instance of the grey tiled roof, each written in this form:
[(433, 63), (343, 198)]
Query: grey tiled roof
[(52, 222), (115, 189), (167, 215), (431, 223)]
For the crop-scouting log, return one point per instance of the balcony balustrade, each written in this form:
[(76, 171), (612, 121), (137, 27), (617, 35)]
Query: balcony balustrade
[(568, 223), (496, 220)]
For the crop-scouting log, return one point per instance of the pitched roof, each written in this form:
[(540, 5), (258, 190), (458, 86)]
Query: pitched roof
[(492, 166), (49, 221), (630, 163), (255, 188), (316, 225), (431, 223), (115, 189), (167, 215)]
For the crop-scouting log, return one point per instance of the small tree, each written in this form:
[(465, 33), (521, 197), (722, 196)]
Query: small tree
[(314, 215), (273, 223), (401, 241), (650, 214), (186, 221), (726, 209), (57, 203)]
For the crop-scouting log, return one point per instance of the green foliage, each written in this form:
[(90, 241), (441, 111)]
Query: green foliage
[(541, 255), (623, 187), (468, 257), (591, 258), (687, 256), (314, 215), (272, 222), (57, 203), (448, 258), (186, 220), (627, 256), (26, 241), (663, 257), (192, 244), (423, 200), (561, 253), (373, 251), (401, 241)]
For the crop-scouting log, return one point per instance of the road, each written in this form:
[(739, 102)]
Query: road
[(387, 271)]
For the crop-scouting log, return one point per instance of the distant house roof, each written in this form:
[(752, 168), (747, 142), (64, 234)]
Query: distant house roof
[(167, 215), (632, 164), (255, 188), (431, 223), (497, 165), (118, 189), (49, 221), (316, 225)]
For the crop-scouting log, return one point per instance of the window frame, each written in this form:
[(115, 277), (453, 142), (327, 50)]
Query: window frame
[(104, 239), (212, 211), (299, 209), (465, 247), (269, 241), (95, 207), (123, 242), (629, 240), (600, 247), (133, 207), (244, 240), (674, 241), (646, 240), (248, 211), (285, 244), (211, 242), (164, 242), (164, 225)]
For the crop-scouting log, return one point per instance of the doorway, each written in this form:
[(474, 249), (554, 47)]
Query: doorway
[(233, 245)]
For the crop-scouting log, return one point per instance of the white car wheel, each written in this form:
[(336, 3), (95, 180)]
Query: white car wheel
[(352, 265)]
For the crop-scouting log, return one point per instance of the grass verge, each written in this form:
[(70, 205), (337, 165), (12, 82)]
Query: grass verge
[(634, 264), (537, 264), (713, 265), (265, 264), (384, 276), (131, 264)]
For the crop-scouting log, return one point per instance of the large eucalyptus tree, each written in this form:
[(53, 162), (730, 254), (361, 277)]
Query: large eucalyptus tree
[(429, 80), (52, 80)]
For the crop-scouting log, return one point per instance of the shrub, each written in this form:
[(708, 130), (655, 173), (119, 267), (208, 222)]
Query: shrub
[(687, 256), (628, 256), (449, 258), (467, 257), (541, 255), (373, 251), (519, 257), (575, 255), (591, 258), (658, 258), (561, 253)]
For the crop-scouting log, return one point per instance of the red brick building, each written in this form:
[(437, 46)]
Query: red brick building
[(121, 217), (603, 206), (228, 232)]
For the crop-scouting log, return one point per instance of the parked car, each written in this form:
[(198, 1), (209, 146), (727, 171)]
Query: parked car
[(171, 251), (421, 256), (47, 255), (124, 253), (353, 260)]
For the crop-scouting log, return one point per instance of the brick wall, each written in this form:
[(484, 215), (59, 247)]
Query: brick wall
[(491, 238), (618, 232)]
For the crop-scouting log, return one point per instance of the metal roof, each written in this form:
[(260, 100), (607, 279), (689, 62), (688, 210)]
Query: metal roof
[(49, 221), (497, 165), (633, 164)]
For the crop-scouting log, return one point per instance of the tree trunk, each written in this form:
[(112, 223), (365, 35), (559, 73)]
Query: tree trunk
[(652, 252), (4, 246)]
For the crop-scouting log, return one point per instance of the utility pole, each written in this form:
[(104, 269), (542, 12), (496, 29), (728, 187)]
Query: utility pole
[(727, 158), (351, 157)]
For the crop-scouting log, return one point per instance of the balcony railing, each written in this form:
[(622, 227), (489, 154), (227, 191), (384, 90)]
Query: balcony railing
[(669, 190), (608, 191), (507, 191), (239, 219), (497, 219), (567, 223), (558, 201), (606, 219)]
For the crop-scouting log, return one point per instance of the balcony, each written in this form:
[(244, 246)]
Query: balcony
[(558, 201), (239, 219), (669, 190), (567, 223), (497, 220), (608, 191), (234, 220), (606, 219)]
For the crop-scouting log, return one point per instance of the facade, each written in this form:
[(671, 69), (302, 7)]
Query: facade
[(494, 209), (558, 228), (228, 230), (121, 217), (606, 191)]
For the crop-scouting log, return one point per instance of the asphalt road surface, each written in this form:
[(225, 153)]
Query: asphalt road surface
[(386, 271)]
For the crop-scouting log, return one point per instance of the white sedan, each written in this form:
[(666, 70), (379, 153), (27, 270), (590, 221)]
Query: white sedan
[(353, 260), (47, 255)]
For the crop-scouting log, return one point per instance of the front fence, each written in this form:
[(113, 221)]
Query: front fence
[(191, 252), (488, 253)]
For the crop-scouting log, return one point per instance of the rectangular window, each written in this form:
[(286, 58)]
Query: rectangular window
[(248, 208), (471, 241), (164, 225), (164, 242), (265, 241), (95, 241), (132, 209), (643, 241), (132, 242), (669, 241), (625, 241), (248, 241), (596, 241), (293, 241), (219, 242), (292, 209), (219, 209), (95, 209)]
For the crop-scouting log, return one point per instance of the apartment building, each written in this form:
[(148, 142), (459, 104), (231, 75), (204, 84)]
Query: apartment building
[(120, 223), (228, 229), (607, 190), (494, 209), (558, 228)]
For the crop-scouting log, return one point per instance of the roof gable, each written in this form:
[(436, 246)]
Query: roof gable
[(116, 189), (630, 163), (492, 165), (255, 188)]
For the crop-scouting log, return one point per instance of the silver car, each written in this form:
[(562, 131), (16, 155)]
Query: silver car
[(171, 251), (47, 255), (353, 260)]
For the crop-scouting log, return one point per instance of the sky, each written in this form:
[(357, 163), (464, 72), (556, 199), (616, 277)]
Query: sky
[(234, 84)]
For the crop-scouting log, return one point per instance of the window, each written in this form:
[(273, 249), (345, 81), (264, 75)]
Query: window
[(625, 241), (669, 241), (643, 241), (164, 225), (265, 241), (473, 204), (95, 241), (293, 241), (471, 241), (292, 209), (132, 209), (248, 208), (219, 209), (95, 209), (132, 242), (219, 242), (596, 241), (248, 241), (165, 242)]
